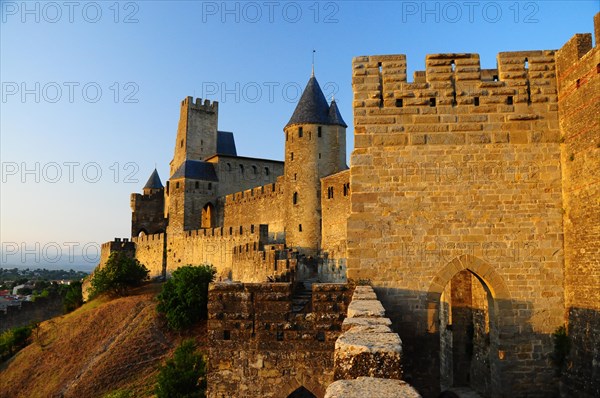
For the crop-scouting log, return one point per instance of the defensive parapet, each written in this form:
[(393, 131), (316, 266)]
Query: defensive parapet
[(259, 344), (263, 204), (454, 101), (198, 104), (268, 190)]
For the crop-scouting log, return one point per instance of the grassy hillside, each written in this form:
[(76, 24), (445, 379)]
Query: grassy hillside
[(101, 347)]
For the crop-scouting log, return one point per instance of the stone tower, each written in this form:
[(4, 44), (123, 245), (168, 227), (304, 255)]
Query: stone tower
[(315, 147), (196, 132), (190, 190), (147, 215)]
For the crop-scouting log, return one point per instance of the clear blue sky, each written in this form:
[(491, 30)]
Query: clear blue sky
[(146, 56)]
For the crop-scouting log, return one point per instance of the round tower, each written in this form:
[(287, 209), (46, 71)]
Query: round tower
[(315, 147)]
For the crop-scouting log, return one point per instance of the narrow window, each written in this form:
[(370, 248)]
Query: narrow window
[(226, 335), (578, 83), (279, 336), (399, 103), (453, 66), (295, 198), (177, 185), (254, 170), (241, 169), (476, 101), (295, 176), (432, 102), (495, 78), (319, 156), (291, 155), (310, 135), (181, 144), (266, 171), (252, 228), (509, 100), (300, 132), (299, 227), (209, 186), (287, 136), (228, 166), (319, 130), (201, 142), (197, 185), (526, 64), (230, 230), (241, 230)]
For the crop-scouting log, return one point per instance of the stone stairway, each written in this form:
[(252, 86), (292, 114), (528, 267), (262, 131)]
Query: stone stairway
[(302, 296)]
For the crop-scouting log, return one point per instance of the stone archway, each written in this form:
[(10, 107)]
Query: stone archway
[(301, 392), (467, 300)]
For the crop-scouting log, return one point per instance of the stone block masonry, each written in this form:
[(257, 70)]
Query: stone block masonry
[(460, 170), (260, 347), (368, 354), (578, 76)]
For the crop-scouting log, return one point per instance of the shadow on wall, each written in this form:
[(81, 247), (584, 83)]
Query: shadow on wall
[(471, 339)]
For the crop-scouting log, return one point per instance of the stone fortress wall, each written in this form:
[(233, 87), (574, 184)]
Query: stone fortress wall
[(470, 206), (458, 193), (449, 173), (578, 77)]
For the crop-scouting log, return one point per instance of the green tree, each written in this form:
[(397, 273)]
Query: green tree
[(73, 297), (184, 297), (184, 375), (119, 273)]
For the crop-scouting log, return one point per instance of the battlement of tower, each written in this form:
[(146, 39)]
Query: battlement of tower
[(454, 79), (198, 104)]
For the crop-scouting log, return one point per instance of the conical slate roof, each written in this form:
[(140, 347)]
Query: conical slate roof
[(313, 108), (154, 181), (335, 117)]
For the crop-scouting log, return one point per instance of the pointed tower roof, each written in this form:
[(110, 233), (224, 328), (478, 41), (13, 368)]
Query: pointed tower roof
[(154, 181), (335, 117), (312, 107)]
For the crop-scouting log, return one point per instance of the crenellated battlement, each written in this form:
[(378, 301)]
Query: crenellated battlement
[(261, 231), (263, 191), (118, 244), (454, 79), (148, 238), (454, 101), (198, 104)]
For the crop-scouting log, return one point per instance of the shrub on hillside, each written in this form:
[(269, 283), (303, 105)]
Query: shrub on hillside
[(72, 296), (12, 340), (184, 375), (119, 273), (183, 299)]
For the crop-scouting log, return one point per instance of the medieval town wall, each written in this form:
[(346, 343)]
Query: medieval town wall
[(261, 347), (578, 76), (335, 209), (461, 170), (260, 205)]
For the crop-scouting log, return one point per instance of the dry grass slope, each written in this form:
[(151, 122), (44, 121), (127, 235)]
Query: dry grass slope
[(103, 346)]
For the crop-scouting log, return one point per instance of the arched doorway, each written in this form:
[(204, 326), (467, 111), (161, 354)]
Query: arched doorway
[(208, 214), (301, 392), (465, 333), (465, 309)]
